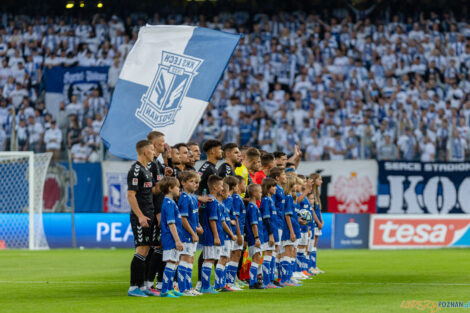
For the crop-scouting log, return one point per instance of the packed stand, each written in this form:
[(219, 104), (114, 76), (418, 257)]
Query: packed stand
[(341, 89)]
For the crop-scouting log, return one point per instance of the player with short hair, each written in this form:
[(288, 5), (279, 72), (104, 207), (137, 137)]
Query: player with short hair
[(212, 238), (188, 208), (195, 153), (154, 260), (280, 159), (171, 227), (213, 150), (184, 159), (254, 234), (270, 234), (142, 217), (233, 159)]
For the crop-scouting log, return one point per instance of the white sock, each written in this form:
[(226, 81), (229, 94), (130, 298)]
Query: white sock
[(132, 288)]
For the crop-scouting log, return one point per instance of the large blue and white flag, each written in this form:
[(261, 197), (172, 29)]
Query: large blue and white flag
[(165, 85)]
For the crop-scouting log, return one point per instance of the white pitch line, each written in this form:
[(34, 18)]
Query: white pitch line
[(62, 282), (325, 283), (378, 283)]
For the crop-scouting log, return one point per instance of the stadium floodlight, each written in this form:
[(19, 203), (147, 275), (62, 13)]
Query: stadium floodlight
[(22, 176), (82, 4), (99, 4), (69, 5)]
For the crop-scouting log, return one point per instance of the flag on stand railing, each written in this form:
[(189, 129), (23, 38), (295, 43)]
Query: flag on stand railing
[(165, 85)]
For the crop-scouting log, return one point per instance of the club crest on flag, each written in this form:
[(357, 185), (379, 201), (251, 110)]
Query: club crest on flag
[(162, 100)]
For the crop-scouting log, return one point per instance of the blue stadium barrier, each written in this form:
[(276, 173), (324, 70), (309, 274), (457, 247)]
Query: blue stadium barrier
[(104, 230)]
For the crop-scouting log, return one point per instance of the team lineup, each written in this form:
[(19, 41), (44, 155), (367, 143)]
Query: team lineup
[(255, 202)]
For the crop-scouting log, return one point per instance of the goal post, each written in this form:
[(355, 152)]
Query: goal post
[(22, 177)]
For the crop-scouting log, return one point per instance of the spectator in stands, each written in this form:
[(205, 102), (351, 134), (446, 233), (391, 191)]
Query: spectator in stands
[(372, 75), (80, 152), (387, 150), (53, 140)]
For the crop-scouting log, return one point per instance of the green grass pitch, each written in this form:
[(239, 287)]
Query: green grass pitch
[(355, 281)]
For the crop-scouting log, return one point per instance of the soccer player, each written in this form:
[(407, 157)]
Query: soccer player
[(212, 237), (225, 202), (142, 217), (171, 227), (213, 150), (254, 234), (195, 155), (270, 234), (184, 157), (232, 160), (280, 159), (154, 258), (188, 208), (279, 176), (175, 160), (267, 163), (317, 182)]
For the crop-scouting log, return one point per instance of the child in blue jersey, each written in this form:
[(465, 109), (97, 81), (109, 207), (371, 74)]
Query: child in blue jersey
[(270, 234), (225, 201), (311, 232), (238, 211), (278, 174), (301, 266), (171, 232), (188, 208), (212, 237), (290, 233), (254, 235), (234, 202), (317, 182)]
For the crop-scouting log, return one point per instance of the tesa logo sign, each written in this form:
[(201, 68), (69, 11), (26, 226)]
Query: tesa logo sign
[(416, 232)]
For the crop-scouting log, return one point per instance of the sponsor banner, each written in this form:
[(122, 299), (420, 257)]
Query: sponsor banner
[(348, 186), (351, 231), (98, 230), (93, 230), (115, 186), (416, 188), (419, 231), (63, 82)]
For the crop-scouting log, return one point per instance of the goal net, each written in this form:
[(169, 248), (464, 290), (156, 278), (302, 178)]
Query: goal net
[(22, 176)]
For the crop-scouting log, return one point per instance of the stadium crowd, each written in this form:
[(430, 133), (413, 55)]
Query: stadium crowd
[(339, 88)]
